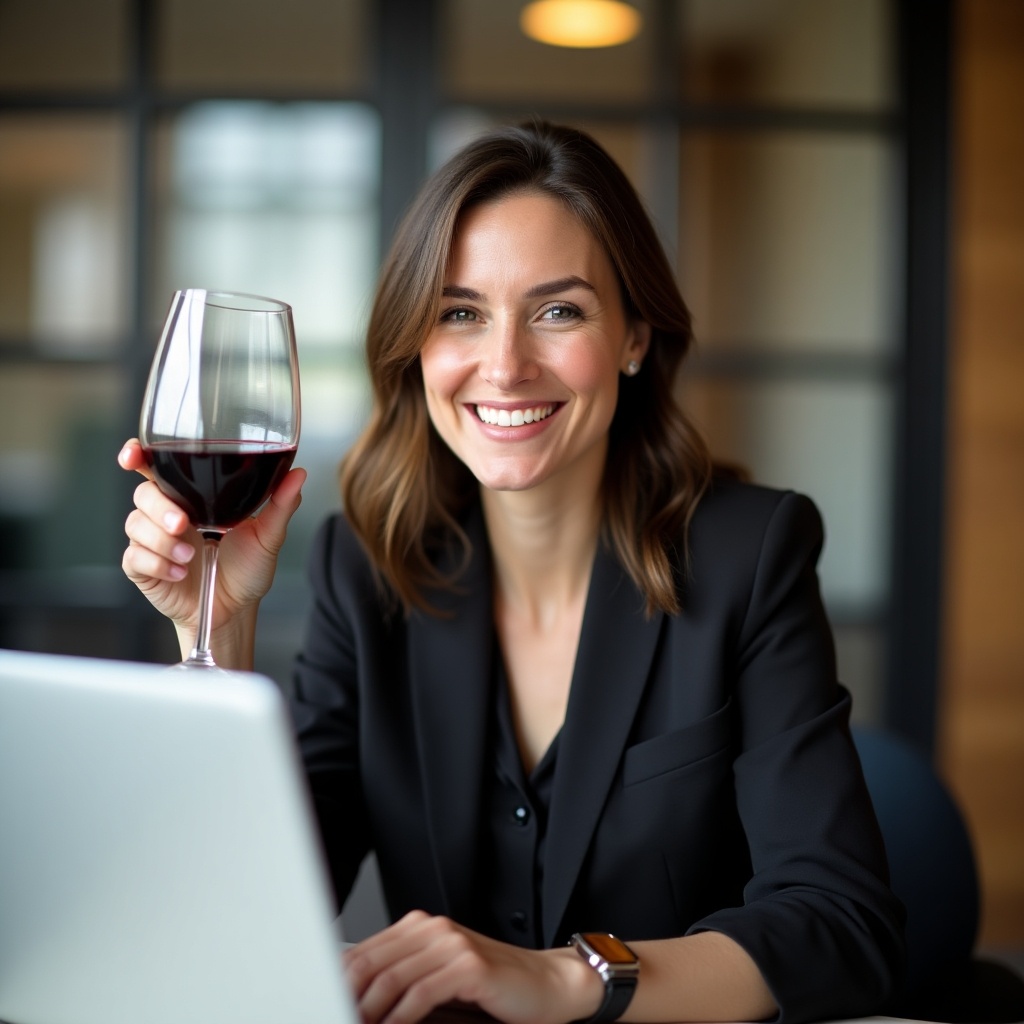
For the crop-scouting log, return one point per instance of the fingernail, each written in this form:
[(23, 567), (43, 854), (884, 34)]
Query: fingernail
[(178, 572), (183, 552), (122, 455), (172, 520)]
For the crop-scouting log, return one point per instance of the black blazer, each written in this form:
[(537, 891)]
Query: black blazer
[(705, 779)]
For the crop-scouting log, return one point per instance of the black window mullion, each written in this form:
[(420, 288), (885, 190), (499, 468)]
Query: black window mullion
[(406, 86), (919, 515), (140, 627)]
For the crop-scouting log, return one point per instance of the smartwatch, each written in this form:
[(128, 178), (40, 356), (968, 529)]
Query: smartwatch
[(618, 966)]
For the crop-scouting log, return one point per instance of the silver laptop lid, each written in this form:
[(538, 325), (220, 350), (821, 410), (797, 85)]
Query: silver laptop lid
[(158, 861)]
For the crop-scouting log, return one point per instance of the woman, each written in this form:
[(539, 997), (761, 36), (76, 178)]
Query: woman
[(558, 676)]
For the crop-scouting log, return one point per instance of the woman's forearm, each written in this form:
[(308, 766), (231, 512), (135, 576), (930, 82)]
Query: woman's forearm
[(702, 977)]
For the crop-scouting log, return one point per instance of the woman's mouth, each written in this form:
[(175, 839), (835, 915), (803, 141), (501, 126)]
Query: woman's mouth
[(513, 417)]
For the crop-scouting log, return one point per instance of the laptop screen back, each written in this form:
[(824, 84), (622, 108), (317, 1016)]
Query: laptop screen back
[(158, 862)]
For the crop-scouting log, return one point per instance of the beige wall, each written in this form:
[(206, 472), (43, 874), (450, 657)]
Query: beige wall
[(982, 710)]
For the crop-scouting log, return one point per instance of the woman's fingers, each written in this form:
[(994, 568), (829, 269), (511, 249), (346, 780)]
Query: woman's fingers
[(272, 522), (153, 551), (398, 973), (422, 962), (157, 548), (142, 564), (408, 990), (161, 520), (366, 959), (131, 457), (153, 503)]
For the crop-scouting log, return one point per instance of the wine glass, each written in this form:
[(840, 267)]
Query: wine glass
[(220, 418)]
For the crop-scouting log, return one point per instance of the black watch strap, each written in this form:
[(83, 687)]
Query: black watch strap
[(617, 995), (618, 967)]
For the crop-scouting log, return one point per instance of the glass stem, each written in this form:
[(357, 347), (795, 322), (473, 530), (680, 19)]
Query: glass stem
[(201, 655)]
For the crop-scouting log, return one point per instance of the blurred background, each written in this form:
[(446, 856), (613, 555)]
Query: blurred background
[(836, 182)]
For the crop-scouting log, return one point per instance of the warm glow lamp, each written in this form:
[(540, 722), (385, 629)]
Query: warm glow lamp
[(580, 23)]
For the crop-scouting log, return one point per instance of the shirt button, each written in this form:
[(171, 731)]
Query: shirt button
[(518, 920), (521, 815)]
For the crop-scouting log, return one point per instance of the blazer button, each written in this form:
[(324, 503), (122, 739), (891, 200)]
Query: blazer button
[(518, 920), (521, 815)]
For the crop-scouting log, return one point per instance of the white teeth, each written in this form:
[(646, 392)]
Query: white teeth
[(515, 418)]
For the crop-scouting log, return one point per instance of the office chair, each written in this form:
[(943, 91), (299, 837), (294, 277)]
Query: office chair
[(933, 871)]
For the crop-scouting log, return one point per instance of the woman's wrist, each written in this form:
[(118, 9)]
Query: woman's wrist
[(582, 987)]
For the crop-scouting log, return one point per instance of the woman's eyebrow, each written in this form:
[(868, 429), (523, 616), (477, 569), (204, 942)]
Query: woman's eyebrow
[(456, 291), (563, 284)]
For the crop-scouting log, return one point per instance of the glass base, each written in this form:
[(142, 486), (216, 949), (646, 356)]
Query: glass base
[(194, 663)]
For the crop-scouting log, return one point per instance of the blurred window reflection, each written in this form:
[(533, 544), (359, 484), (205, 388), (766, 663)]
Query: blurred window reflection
[(261, 46), (59, 481), (277, 199), (788, 241), (829, 439), (63, 44), (779, 52), (63, 248)]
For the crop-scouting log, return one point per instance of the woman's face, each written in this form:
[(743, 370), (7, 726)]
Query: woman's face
[(521, 371)]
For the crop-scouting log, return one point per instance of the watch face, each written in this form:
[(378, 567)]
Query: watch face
[(614, 950)]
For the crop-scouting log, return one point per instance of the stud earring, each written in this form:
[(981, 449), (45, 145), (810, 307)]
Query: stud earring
[(632, 368)]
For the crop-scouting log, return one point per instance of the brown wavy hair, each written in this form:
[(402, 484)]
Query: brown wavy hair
[(403, 489)]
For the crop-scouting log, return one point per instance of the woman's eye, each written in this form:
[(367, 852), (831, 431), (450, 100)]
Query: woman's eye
[(562, 311), (457, 316)]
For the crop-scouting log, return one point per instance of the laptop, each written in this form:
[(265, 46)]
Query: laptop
[(158, 859)]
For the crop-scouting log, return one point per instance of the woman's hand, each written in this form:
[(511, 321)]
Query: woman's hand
[(420, 963), (161, 557)]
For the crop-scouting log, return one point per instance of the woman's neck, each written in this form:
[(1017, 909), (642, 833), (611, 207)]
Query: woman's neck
[(543, 542)]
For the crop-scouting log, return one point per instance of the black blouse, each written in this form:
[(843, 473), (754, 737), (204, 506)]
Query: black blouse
[(515, 828)]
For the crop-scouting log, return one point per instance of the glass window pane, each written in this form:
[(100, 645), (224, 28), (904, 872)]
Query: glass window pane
[(306, 46), (788, 241), (277, 199), (800, 52), (61, 491), (486, 56), (63, 44), (860, 655), (63, 250), (828, 440)]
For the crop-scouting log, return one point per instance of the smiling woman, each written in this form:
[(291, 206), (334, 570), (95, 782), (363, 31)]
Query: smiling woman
[(560, 677)]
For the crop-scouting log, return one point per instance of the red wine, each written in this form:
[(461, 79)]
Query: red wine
[(218, 483)]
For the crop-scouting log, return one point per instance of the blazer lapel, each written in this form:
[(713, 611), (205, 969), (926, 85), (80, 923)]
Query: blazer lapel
[(450, 661), (617, 645)]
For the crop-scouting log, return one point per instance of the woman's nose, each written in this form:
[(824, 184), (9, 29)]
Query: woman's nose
[(507, 359)]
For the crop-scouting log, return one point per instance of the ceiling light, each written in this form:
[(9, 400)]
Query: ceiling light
[(580, 23)]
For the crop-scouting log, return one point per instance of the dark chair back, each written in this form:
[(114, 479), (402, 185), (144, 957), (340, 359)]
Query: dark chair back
[(931, 859), (933, 871)]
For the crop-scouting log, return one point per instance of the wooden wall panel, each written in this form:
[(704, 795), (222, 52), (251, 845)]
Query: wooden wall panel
[(981, 740)]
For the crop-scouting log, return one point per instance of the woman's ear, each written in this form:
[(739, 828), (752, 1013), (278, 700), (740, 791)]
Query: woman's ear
[(637, 344)]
